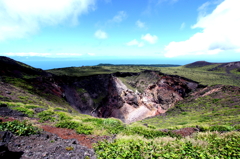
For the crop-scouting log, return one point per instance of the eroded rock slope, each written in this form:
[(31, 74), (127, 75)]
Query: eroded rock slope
[(127, 96)]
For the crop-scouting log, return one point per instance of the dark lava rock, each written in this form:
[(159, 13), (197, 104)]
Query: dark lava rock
[(5, 111), (38, 110), (47, 146), (5, 138)]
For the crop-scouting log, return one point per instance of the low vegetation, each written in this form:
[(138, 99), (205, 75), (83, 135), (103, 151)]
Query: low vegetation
[(220, 109), (216, 117), (136, 140), (200, 74), (201, 145), (21, 128)]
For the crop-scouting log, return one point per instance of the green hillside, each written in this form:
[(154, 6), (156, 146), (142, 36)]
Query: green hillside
[(213, 113)]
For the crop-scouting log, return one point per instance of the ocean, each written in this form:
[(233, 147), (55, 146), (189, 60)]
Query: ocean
[(51, 64)]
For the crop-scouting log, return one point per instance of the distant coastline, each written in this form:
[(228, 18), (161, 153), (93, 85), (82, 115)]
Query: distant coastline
[(148, 65)]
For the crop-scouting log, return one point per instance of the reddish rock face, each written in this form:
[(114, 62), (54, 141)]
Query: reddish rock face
[(157, 98)]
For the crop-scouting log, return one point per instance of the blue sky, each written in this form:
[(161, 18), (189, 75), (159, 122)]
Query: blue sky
[(171, 31)]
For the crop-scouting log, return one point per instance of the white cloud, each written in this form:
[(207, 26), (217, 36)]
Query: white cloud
[(135, 42), (140, 24), (152, 39), (220, 32), (119, 17), (20, 18), (182, 26), (100, 34)]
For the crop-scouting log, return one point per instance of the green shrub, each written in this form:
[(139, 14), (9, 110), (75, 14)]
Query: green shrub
[(147, 133), (184, 113), (95, 121), (31, 106), (151, 127), (68, 124), (13, 104), (237, 127), (19, 128), (60, 109), (215, 100), (204, 118), (46, 116), (26, 111), (182, 123), (221, 128), (203, 145), (113, 126), (84, 129), (63, 116)]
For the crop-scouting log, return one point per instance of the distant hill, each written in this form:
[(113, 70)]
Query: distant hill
[(223, 67), (228, 66), (198, 64), (11, 67), (145, 65)]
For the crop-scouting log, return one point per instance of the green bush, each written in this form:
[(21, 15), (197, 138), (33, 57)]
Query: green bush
[(113, 126), (95, 121), (26, 111), (60, 109), (68, 124), (79, 127), (31, 106), (237, 127), (147, 133), (221, 128), (46, 116), (19, 128), (203, 145), (63, 116), (84, 129)]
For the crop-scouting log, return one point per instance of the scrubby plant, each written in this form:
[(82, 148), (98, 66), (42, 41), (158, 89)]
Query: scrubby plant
[(28, 112), (113, 126), (202, 145), (68, 124), (19, 128), (60, 109), (221, 128), (63, 116), (84, 129), (32, 106), (46, 115), (147, 133), (95, 121), (69, 148)]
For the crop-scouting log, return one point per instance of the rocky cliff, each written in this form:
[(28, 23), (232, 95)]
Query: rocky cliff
[(127, 96)]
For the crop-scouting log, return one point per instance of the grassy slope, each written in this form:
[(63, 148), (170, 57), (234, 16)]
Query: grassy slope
[(138, 141), (93, 70), (203, 76), (220, 108), (197, 111), (200, 74), (24, 92)]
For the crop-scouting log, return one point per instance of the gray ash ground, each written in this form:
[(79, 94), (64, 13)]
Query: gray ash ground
[(46, 146)]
